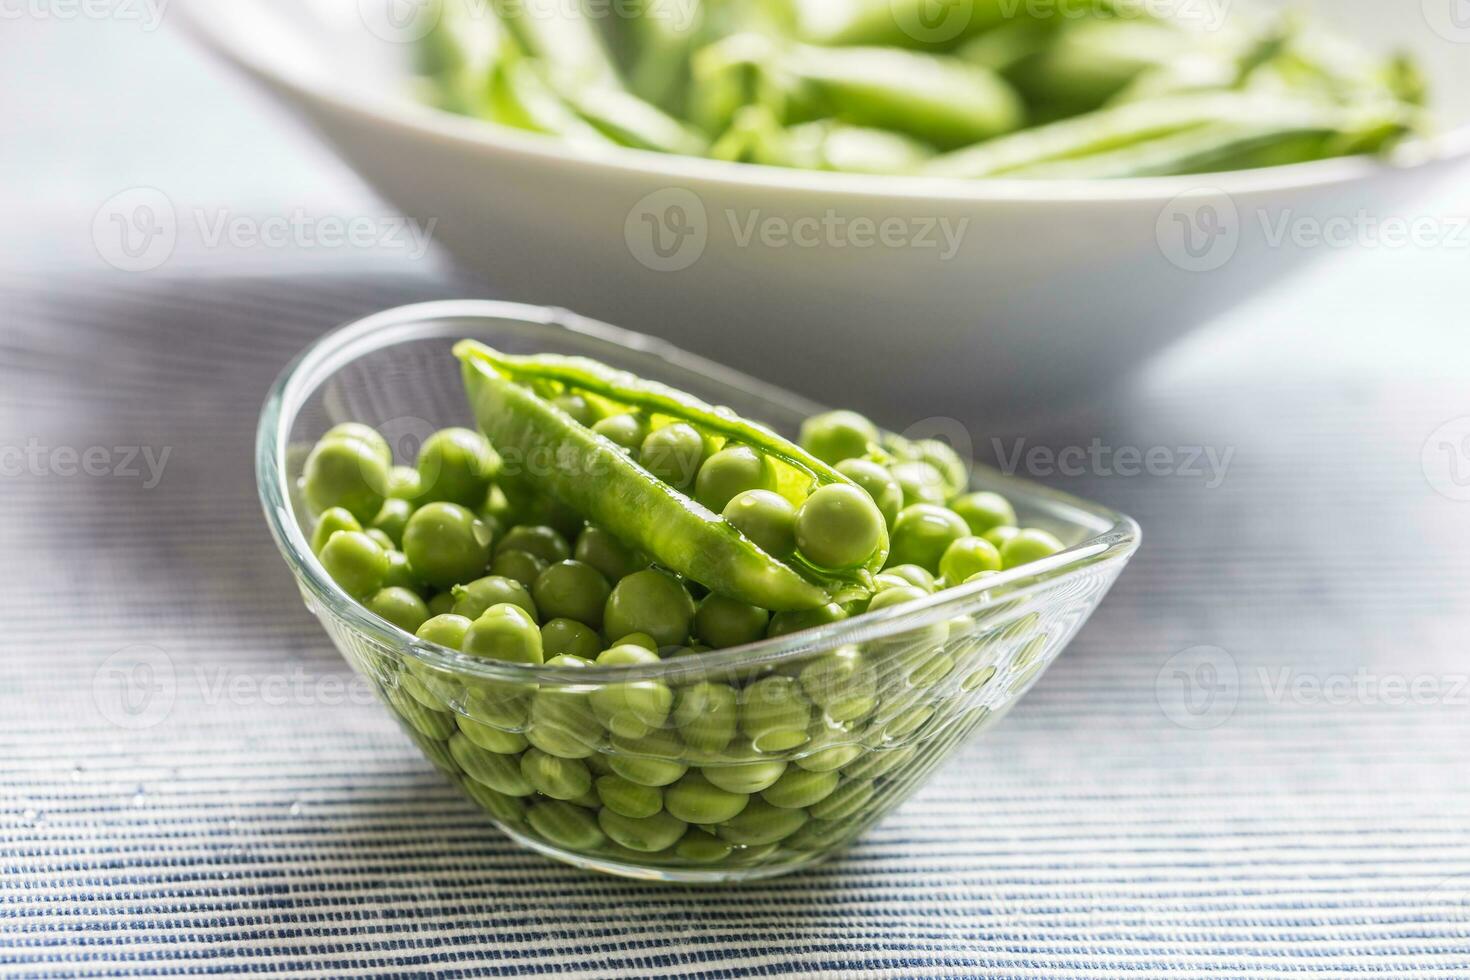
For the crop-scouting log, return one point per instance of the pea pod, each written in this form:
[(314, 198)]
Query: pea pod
[(562, 38), (595, 476)]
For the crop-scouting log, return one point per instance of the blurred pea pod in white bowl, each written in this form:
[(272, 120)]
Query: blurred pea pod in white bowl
[(984, 269)]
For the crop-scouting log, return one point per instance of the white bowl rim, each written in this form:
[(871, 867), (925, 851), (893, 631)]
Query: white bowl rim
[(413, 116)]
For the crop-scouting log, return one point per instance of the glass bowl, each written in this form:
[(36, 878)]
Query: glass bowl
[(731, 764)]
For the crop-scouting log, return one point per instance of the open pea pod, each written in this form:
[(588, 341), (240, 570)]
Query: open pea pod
[(512, 398)]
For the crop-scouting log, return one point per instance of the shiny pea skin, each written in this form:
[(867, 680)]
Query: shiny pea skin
[(837, 435), (571, 590), (878, 483), (446, 544), (983, 510), (922, 533), (472, 599), (724, 622), (384, 542), (707, 715), (745, 777), (628, 798), (642, 834), (968, 556), (631, 709), (447, 630), (347, 472), (921, 482), (673, 454), (1028, 545), (521, 566), (404, 483), (392, 519), (626, 430), (607, 554), (566, 825), (914, 575), (504, 632), (766, 518), (456, 465), (561, 722), (1000, 534), (698, 847), (650, 602), (553, 776), (838, 526), (356, 562), (842, 684), (774, 714), (694, 799), (442, 604), (400, 607), (845, 801), (761, 823), (491, 739), (501, 773), (800, 788), (539, 540), (362, 432), (654, 760), (731, 471), (401, 574), (566, 637), (332, 520), (783, 623)]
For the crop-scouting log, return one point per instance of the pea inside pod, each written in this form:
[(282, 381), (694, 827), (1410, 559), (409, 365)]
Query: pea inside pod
[(653, 506)]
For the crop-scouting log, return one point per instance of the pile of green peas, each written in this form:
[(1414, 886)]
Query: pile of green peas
[(721, 771)]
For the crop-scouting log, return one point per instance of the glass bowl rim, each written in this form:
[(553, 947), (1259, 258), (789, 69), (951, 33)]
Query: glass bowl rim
[(334, 350)]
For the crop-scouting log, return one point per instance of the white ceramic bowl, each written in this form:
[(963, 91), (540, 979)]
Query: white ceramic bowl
[(1048, 288)]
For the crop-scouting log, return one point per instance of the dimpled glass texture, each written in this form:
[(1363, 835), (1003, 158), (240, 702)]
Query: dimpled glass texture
[(848, 718)]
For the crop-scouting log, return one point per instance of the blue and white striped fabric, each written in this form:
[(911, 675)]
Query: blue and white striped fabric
[(191, 783)]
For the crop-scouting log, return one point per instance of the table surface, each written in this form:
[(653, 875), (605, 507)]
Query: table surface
[(1303, 809)]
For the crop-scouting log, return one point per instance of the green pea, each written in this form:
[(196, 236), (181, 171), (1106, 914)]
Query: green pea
[(707, 715), (983, 510), (504, 632), (567, 637), (766, 518), (761, 823), (346, 472), (792, 622), (673, 454), (835, 436), (842, 684), (383, 541), (473, 599), (656, 759), (800, 788), (498, 703), (828, 752), (637, 640), (521, 566), (749, 776), (578, 407), (332, 520), (566, 825), (446, 544), (774, 714), (634, 708), (558, 778), (1028, 545), (506, 809), (561, 722), (607, 554), (356, 562), (539, 540), (1000, 534), (428, 722), (628, 798), (921, 482), (650, 602), (392, 519), (627, 431), (571, 590), (642, 834), (401, 573), (441, 604), (878, 483), (501, 773), (362, 433), (456, 465), (724, 622), (404, 483), (922, 533), (732, 471), (967, 557), (694, 799), (879, 762), (400, 607), (820, 835), (844, 801), (698, 847), (447, 630), (838, 526), (913, 575), (491, 739)]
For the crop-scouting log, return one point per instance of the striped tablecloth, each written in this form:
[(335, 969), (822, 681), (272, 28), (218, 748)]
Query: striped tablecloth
[(1252, 762)]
